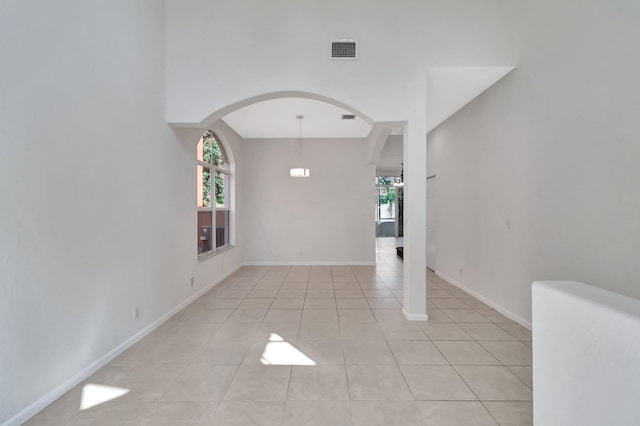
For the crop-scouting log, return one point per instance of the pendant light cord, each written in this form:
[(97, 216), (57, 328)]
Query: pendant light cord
[(300, 155)]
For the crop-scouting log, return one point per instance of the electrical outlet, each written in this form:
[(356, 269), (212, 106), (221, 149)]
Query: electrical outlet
[(301, 252), (460, 271), (193, 281), (136, 313)]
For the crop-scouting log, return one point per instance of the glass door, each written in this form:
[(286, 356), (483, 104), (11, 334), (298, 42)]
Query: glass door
[(386, 206)]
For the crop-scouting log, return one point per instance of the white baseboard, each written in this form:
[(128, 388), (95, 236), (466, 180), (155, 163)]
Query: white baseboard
[(507, 313), (42, 402), (310, 263), (415, 317)]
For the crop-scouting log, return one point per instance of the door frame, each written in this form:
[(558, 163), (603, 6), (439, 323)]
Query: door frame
[(431, 226)]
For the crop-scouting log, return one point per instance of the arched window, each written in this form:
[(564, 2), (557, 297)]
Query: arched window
[(213, 175)]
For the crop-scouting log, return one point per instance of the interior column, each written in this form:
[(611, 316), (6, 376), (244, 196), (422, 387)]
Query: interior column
[(415, 209)]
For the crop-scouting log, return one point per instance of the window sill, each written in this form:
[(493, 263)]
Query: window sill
[(204, 256)]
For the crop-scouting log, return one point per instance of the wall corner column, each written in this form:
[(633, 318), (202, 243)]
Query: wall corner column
[(415, 209)]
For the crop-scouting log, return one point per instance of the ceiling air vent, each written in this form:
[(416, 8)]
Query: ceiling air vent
[(348, 116), (344, 50)]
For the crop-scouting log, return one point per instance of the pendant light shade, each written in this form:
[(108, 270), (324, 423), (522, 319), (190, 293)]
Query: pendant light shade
[(300, 171)]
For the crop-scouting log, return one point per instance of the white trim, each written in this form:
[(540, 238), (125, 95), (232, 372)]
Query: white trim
[(415, 317), (208, 209), (212, 167), (507, 313), (42, 402), (214, 252), (309, 263)]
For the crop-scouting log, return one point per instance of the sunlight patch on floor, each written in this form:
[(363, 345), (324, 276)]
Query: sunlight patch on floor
[(93, 395), (279, 352)]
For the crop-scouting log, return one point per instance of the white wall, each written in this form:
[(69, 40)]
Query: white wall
[(551, 150), (326, 218), (586, 356), (390, 161), (223, 53), (98, 194), (211, 269), (285, 45)]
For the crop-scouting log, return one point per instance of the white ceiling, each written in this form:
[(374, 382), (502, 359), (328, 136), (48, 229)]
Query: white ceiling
[(276, 118)]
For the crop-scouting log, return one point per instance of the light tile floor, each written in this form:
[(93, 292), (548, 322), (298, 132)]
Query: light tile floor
[(315, 346)]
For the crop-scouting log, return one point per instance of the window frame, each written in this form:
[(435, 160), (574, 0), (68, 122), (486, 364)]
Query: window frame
[(213, 208)]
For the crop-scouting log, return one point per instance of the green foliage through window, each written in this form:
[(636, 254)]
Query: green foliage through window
[(386, 193), (206, 187), (387, 196), (212, 154)]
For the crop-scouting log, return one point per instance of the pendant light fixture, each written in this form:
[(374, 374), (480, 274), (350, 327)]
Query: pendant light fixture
[(401, 183), (299, 171)]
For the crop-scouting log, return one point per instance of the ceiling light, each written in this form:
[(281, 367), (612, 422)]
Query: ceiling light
[(299, 171)]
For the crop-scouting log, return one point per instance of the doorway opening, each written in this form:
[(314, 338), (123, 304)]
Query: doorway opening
[(389, 207)]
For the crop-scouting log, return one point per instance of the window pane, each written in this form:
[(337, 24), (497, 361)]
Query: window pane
[(205, 239), (222, 228), (387, 180), (210, 151), (204, 186), (222, 190), (209, 154), (387, 201)]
